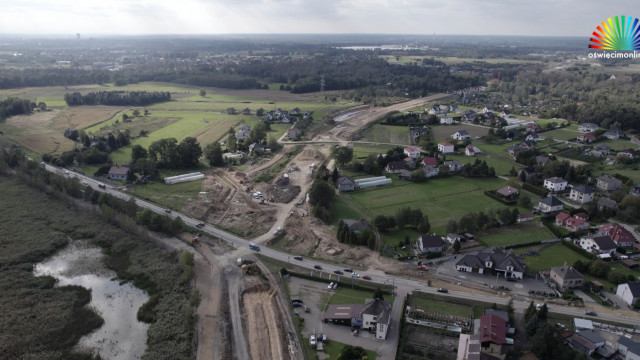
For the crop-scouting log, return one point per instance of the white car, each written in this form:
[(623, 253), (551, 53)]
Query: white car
[(84, 182), (312, 340), (330, 286), (355, 275)]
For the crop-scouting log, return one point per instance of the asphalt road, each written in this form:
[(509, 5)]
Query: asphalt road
[(406, 284)]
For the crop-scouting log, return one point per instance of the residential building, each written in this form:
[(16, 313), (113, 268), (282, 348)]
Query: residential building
[(410, 163), (628, 153), (533, 137), (430, 243), (582, 194), (606, 203), (614, 134), (416, 132), (412, 152), (356, 226), (508, 193), (629, 292), (586, 138), (246, 111), (493, 333), (257, 148), (430, 171), (532, 127), (429, 161), (542, 160), (608, 183), (293, 134), (453, 165), (587, 127), (243, 132), (550, 205), (376, 314), (602, 244), (404, 175), (513, 150), (527, 145), (628, 348), (461, 135), (555, 184), (118, 172), (492, 261), (468, 115), (587, 341), (635, 190), (453, 237), (566, 277), (525, 217), (571, 223), (395, 167), (345, 183), (622, 236), (471, 150), (446, 120), (446, 148)]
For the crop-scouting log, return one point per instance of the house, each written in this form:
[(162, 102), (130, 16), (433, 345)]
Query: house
[(411, 164), (404, 175), (429, 161), (566, 277), (246, 111), (508, 193), (453, 237), (257, 148), (461, 135), (345, 183), (243, 132), (231, 111), (435, 111), (587, 341), (492, 330), (629, 292), (542, 160), (376, 314), (525, 217), (608, 183), (581, 216), (602, 244), (453, 165), (571, 223), (284, 118), (395, 167), (446, 148), (629, 264), (587, 127), (533, 137), (419, 131), (600, 151), (586, 138), (614, 134), (446, 120), (118, 172), (412, 152), (582, 194), (550, 205), (468, 115), (628, 348), (471, 150), (527, 145), (295, 112), (622, 236), (555, 184), (468, 347), (532, 127), (513, 150), (493, 260), (635, 190), (430, 243), (430, 171), (293, 134), (444, 108), (606, 203), (355, 226), (628, 153)]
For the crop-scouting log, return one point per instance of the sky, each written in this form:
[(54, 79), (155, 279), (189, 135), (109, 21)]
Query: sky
[(456, 17)]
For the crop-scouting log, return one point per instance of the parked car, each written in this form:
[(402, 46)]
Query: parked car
[(324, 338), (200, 225), (512, 279), (85, 183), (330, 286), (296, 304), (355, 332), (443, 290), (295, 300), (366, 277), (306, 308), (298, 258), (339, 272), (168, 211), (335, 286), (348, 270), (355, 275), (317, 267), (312, 340), (590, 313)]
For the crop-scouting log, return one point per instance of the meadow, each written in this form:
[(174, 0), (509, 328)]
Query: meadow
[(515, 234), (388, 134)]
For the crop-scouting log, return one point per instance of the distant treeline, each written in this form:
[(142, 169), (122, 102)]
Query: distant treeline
[(14, 106), (11, 79), (120, 98)]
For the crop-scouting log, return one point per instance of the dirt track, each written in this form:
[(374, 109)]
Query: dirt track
[(263, 325)]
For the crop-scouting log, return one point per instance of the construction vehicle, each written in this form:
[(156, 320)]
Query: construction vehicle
[(423, 267)]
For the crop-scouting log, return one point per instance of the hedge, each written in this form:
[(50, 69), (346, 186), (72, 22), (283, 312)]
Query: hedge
[(535, 189)]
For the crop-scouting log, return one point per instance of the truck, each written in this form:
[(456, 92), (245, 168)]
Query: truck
[(102, 186), (253, 246)]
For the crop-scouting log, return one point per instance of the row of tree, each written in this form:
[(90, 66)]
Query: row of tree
[(404, 218), (14, 106), (476, 221), (365, 237), (117, 98)]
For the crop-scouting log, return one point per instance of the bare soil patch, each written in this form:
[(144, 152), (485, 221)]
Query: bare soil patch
[(264, 326), (84, 116)]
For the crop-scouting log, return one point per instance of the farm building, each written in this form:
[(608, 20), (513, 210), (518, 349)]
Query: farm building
[(118, 172), (345, 183), (374, 181)]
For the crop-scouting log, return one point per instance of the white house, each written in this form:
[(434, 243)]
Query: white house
[(445, 148), (118, 172), (582, 194), (629, 292), (587, 127), (461, 135), (430, 243), (599, 244), (376, 314), (550, 205), (628, 348), (412, 152), (555, 183), (472, 150), (446, 120)]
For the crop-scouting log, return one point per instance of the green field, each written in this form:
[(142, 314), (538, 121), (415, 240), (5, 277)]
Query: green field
[(515, 234), (561, 134), (440, 198), (345, 295), (440, 306), (555, 255), (388, 134)]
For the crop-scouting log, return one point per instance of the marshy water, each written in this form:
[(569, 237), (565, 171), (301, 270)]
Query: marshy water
[(121, 336)]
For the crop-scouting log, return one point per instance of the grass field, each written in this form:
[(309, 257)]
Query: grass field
[(334, 348), (515, 234), (440, 306), (171, 196), (441, 198), (554, 255), (443, 132), (561, 134), (388, 134), (345, 295)]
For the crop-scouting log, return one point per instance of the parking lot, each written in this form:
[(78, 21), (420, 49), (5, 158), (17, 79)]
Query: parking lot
[(316, 295)]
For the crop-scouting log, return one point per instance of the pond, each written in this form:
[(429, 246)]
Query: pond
[(122, 336)]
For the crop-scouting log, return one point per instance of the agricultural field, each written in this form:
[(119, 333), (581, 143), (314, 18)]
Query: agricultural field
[(388, 134), (515, 234), (441, 198)]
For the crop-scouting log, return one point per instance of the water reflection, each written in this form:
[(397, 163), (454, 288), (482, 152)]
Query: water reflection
[(122, 336)]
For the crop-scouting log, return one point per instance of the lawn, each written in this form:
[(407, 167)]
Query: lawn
[(340, 209), (555, 255), (440, 306), (388, 134), (440, 198), (171, 196), (444, 132), (334, 348), (345, 295), (515, 234)]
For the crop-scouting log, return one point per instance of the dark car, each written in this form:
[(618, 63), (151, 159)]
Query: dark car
[(348, 270), (317, 267), (200, 225), (443, 290), (590, 313), (296, 304), (339, 272), (512, 279), (298, 258), (366, 277)]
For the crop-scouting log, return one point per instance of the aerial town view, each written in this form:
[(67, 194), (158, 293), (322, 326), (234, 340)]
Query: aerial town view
[(319, 180)]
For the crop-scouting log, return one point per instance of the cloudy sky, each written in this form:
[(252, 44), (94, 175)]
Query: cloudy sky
[(476, 17)]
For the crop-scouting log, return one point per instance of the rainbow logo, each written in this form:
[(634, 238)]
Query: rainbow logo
[(617, 33)]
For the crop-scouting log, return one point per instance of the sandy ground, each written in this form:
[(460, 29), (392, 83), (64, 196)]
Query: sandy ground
[(263, 325)]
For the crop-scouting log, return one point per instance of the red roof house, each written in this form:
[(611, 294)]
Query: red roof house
[(493, 329), (429, 161), (620, 235)]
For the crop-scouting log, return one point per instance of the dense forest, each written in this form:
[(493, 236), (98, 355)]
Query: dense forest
[(14, 106), (118, 98)]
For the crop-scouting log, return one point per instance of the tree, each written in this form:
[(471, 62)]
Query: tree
[(424, 225), (335, 175), (138, 152), (42, 106), (260, 112), (371, 165), (417, 176), (258, 133), (125, 117), (203, 92), (532, 325), (513, 172), (136, 112), (146, 112), (525, 201), (452, 226), (531, 311), (321, 194), (213, 154), (164, 153), (352, 353), (542, 313), (378, 294), (232, 141), (273, 144), (189, 152), (343, 154), (384, 223)]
